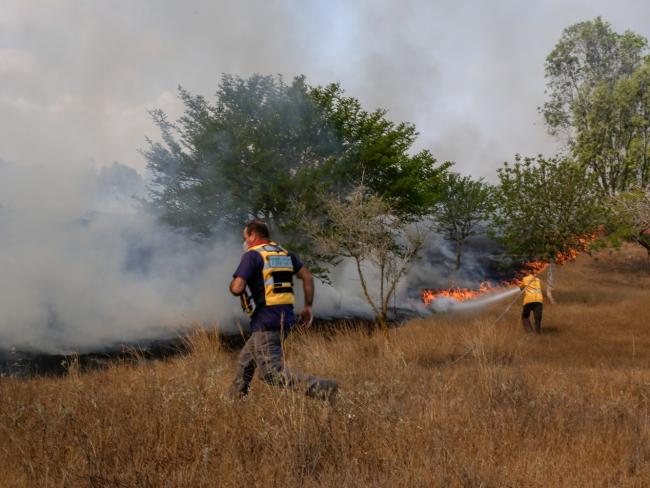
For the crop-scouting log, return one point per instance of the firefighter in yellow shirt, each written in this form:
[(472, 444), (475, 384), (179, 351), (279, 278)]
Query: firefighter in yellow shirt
[(533, 301)]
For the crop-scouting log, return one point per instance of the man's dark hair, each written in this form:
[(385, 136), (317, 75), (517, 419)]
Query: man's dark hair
[(258, 227)]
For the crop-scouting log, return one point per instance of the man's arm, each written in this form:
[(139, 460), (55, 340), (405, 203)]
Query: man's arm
[(250, 261), (307, 285), (237, 286), (306, 315)]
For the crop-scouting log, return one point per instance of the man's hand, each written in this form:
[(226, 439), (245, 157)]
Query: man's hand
[(306, 315)]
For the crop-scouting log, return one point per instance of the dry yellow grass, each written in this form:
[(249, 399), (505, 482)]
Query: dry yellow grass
[(451, 401)]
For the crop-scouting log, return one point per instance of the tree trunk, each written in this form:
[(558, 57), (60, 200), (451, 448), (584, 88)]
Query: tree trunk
[(364, 287), (458, 254), (644, 240), (384, 303), (383, 322), (550, 282)]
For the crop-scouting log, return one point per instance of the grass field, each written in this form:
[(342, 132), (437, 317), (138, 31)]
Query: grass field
[(450, 401)]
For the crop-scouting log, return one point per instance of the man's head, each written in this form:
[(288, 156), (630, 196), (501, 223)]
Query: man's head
[(256, 230)]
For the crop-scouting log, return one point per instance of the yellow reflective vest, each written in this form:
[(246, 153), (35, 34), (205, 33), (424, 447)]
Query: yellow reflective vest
[(533, 289), (277, 273)]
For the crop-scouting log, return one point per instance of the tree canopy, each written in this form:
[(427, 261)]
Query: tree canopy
[(598, 83), (615, 140), (262, 144), (629, 218), (544, 207), (589, 54), (464, 204), (265, 144), (378, 152)]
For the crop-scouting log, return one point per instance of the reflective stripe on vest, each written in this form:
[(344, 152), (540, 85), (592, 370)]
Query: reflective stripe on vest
[(277, 273)]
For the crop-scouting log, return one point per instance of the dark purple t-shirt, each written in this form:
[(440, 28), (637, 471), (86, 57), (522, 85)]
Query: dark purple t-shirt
[(265, 317)]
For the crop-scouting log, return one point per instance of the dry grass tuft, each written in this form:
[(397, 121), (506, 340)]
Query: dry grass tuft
[(451, 401)]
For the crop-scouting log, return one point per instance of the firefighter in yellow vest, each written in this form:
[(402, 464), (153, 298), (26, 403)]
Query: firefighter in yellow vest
[(533, 301), (264, 282)]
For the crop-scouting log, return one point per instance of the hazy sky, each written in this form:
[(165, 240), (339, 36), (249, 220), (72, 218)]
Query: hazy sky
[(77, 77)]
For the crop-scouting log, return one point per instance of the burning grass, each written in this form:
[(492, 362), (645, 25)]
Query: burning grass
[(453, 400), (459, 294)]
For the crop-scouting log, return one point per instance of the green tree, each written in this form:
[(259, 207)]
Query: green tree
[(589, 54), (464, 203), (261, 146), (378, 154), (598, 83), (364, 227), (544, 207), (630, 218), (265, 145), (615, 141)]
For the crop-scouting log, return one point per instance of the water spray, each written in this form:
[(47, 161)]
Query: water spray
[(450, 304)]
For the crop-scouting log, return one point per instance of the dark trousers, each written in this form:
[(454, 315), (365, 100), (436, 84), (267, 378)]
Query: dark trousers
[(536, 308), (263, 350)]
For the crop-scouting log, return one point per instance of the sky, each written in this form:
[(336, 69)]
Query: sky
[(77, 78)]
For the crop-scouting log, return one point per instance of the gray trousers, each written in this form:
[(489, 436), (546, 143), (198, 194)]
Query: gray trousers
[(264, 350)]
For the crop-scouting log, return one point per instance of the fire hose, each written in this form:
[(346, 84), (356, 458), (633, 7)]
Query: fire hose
[(521, 292)]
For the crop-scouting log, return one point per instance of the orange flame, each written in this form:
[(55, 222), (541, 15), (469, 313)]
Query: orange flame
[(458, 294)]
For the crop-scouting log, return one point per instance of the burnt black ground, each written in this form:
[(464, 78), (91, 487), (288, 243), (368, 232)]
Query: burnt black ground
[(30, 363)]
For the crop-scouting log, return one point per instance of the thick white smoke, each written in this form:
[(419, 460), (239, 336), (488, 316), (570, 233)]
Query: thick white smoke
[(84, 268)]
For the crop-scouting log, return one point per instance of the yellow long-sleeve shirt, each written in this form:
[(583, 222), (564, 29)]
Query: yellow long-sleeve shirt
[(533, 287)]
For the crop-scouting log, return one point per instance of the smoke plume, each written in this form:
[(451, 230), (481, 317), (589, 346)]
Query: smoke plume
[(85, 267)]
